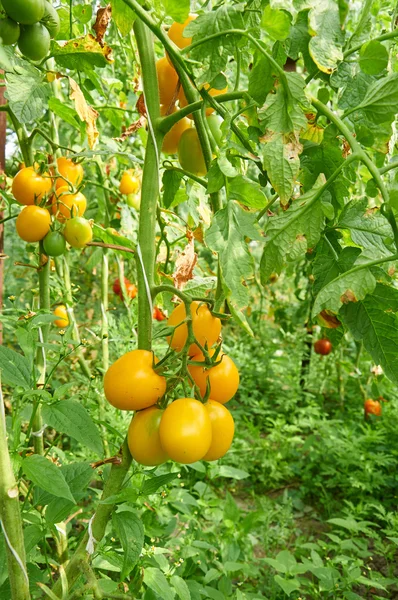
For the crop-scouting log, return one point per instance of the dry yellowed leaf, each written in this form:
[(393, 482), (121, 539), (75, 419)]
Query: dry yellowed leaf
[(185, 263), (86, 113), (131, 129), (101, 23)]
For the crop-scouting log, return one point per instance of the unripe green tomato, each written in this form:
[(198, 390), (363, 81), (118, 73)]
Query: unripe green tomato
[(190, 153), (26, 12), (215, 122), (34, 41), (51, 20), (78, 232), (9, 31), (54, 244), (134, 200)]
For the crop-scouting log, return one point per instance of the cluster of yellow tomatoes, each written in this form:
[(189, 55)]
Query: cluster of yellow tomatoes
[(44, 195), (182, 137), (129, 186), (187, 429)]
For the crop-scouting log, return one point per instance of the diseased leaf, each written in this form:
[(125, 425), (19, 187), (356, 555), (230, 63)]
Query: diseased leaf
[(282, 163), (326, 44), (46, 475), (346, 288), (81, 53), (330, 261)]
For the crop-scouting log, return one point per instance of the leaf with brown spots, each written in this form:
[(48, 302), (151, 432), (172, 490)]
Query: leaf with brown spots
[(101, 23), (85, 112), (131, 129), (185, 263)]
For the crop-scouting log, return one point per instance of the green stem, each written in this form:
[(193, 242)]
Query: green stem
[(105, 340), (380, 38), (10, 516), (23, 140), (199, 180)]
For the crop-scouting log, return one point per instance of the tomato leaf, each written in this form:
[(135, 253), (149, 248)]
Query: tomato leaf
[(123, 16), (381, 99), (27, 92), (81, 53), (178, 10), (282, 163), (247, 192), (46, 475), (64, 112), (276, 23), (373, 57), (346, 288), (71, 418), (326, 44), (130, 531)]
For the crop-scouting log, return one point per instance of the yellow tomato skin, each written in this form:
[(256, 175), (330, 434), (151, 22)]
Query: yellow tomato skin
[(206, 328), (176, 33), (33, 223), (213, 92), (185, 430), (29, 187), (222, 429), (62, 313), (223, 378), (131, 383), (73, 172), (143, 437), (129, 183), (167, 80), (172, 137), (66, 205)]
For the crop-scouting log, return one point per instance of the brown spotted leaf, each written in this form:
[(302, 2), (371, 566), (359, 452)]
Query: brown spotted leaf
[(81, 53), (101, 23), (85, 112), (348, 287), (185, 263)]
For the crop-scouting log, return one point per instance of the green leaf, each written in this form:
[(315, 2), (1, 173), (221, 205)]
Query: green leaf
[(346, 288), (380, 102), (14, 368), (123, 16), (81, 53), (110, 236), (180, 587), (150, 486), (374, 321), (178, 10), (46, 475), (27, 93), (282, 163), (226, 235), (130, 531), (287, 585), (290, 234), (70, 417), (330, 262), (58, 509), (158, 583), (64, 112), (261, 80), (171, 184), (284, 112), (247, 192), (326, 44), (373, 57), (232, 472), (276, 23)]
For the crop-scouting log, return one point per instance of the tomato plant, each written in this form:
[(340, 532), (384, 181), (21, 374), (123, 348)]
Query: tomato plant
[(34, 41), (66, 205), (71, 173), (129, 183), (54, 244), (144, 439), (30, 187), (222, 430), (33, 223), (206, 327), (78, 232), (26, 12), (222, 379)]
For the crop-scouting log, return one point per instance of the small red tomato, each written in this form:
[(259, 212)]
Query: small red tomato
[(323, 347), (131, 289), (158, 314), (372, 407)]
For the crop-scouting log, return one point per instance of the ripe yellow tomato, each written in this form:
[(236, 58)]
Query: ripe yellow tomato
[(78, 232), (33, 223), (213, 92), (223, 378), (176, 33), (185, 430), (29, 187), (73, 172), (172, 137), (167, 80), (129, 183), (222, 429), (66, 205), (190, 153), (131, 382), (62, 314), (143, 437), (206, 328)]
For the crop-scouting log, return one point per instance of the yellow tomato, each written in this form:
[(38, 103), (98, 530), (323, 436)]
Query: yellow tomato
[(72, 172), (223, 378), (33, 223), (172, 137), (66, 205), (222, 429), (206, 328), (190, 153), (131, 383), (62, 314), (176, 33), (167, 80), (143, 437), (129, 183), (29, 187), (185, 430)]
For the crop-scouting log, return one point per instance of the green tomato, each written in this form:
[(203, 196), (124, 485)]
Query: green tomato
[(26, 12), (190, 153), (78, 232), (34, 42), (215, 122), (51, 20), (54, 244), (9, 31), (134, 200)]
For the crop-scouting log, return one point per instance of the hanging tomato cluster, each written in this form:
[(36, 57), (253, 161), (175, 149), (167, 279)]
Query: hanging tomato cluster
[(31, 24), (44, 195), (183, 137), (188, 429)]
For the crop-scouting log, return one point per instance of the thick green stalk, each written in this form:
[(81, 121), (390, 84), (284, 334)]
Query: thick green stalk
[(11, 522), (23, 140), (105, 339)]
